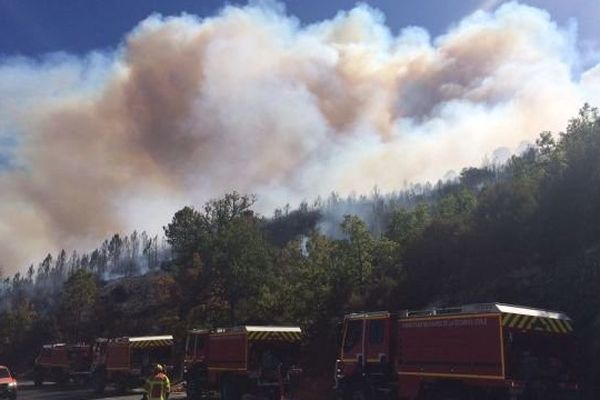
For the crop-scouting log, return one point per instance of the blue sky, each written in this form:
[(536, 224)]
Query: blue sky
[(35, 27)]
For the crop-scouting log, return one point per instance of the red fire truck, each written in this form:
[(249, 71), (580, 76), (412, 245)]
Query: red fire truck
[(128, 361), (62, 362), (246, 360), (481, 351)]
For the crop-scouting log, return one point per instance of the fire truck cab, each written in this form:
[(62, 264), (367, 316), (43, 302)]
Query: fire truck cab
[(61, 362), (128, 361), (245, 360), (481, 351)]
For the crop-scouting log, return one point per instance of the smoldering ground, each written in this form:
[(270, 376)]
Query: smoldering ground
[(252, 100)]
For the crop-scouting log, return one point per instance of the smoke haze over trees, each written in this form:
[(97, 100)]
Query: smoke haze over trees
[(187, 109), (526, 232)]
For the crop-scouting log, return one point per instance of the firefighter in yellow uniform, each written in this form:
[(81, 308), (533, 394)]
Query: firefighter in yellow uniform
[(158, 387)]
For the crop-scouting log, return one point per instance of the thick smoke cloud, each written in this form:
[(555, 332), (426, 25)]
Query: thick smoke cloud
[(186, 109)]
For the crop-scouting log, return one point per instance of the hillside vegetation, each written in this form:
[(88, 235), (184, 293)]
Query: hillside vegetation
[(527, 232)]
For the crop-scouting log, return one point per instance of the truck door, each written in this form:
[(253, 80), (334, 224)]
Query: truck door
[(59, 357), (353, 343), (117, 356), (377, 343)]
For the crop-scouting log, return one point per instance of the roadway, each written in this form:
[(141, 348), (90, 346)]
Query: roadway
[(27, 391)]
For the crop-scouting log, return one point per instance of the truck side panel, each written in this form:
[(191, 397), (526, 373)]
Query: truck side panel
[(466, 346)]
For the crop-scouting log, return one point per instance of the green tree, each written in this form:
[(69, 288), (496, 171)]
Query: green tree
[(77, 304), (406, 226), (222, 249), (456, 207), (240, 260), (185, 233), (357, 250)]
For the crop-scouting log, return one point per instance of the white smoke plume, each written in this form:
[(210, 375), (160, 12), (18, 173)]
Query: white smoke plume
[(186, 109)]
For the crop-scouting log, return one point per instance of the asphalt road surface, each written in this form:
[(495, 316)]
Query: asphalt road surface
[(27, 391)]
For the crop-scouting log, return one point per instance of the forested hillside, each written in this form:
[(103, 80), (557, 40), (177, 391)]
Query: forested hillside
[(526, 232)]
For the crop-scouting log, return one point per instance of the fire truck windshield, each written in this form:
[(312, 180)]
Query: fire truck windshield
[(194, 345), (353, 334), (4, 372)]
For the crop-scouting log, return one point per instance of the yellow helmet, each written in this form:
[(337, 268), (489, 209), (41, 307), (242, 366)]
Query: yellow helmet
[(158, 368)]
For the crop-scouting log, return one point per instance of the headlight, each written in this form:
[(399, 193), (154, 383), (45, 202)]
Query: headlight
[(12, 384)]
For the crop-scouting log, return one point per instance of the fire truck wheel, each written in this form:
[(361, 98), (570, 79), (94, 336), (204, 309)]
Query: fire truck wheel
[(197, 382), (358, 392), (62, 379), (451, 392), (122, 387), (38, 378), (99, 382), (229, 389)]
